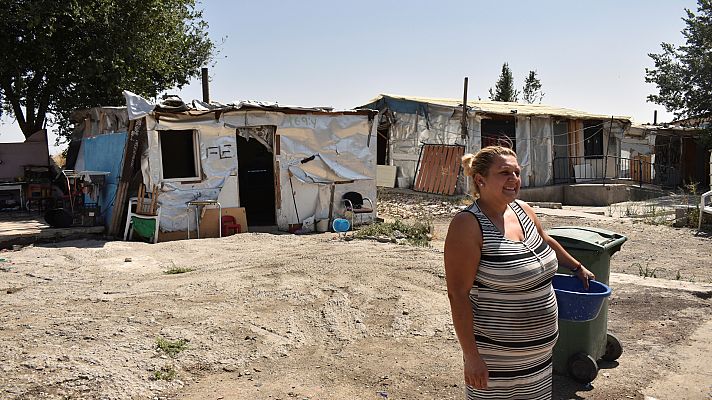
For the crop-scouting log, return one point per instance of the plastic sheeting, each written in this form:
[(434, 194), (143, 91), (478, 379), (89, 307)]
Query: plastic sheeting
[(439, 125), (137, 106), (540, 153), (104, 153), (318, 169), (343, 146)]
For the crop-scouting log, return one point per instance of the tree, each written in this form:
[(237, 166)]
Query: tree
[(683, 74), (504, 88), (531, 93), (59, 56)]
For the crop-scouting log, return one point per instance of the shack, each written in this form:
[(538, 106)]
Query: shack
[(276, 166), (554, 145), (670, 155)]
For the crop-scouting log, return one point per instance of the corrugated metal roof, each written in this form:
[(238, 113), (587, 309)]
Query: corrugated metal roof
[(505, 108)]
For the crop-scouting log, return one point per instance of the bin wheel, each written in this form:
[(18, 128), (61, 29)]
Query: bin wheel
[(583, 368), (614, 349)]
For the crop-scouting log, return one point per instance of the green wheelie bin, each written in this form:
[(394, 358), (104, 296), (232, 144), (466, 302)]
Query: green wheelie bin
[(581, 344)]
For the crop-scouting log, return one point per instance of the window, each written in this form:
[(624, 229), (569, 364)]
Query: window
[(498, 131), (180, 159), (593, 139)]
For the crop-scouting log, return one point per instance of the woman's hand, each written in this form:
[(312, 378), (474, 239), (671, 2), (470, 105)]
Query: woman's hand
[(584, 275), (476, 374)]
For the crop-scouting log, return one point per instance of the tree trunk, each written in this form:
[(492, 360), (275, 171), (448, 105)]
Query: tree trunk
[(32, 119)]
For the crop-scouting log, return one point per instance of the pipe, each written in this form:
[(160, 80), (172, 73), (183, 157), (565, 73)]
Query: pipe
[(206, 89)]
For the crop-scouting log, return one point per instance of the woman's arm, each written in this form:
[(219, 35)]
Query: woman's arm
[(565, 259), (462, 257)]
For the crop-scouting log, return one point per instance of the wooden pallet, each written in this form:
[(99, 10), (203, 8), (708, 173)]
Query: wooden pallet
[(438, 169)]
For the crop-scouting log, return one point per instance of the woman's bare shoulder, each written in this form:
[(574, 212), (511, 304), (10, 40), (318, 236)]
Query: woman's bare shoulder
[(464, 223)]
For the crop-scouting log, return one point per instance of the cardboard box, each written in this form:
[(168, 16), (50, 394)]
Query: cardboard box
[(209, 221), (386, 175)]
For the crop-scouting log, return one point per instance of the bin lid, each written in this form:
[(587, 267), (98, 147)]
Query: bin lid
[(587, 238)]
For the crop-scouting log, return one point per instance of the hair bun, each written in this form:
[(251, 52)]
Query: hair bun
[(466, 162)]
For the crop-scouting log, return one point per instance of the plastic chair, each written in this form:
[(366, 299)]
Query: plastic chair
[(133, 212), (230, 225), (353, 202)]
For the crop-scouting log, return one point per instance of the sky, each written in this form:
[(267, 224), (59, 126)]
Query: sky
[(590, 55)]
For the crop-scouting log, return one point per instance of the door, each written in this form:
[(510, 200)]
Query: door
[(255, 174), (562, 165)]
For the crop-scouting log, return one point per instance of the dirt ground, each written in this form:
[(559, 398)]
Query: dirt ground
[(313, 317)]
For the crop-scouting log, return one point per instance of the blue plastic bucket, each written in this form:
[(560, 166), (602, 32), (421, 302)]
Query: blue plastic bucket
[(341, 225), (575, 302)]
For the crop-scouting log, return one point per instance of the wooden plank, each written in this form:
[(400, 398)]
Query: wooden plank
[(425, 167), (455, 169), (435, 170), (437, 179), (447, 169), (440, 163), (119, 202), (135, 130), (451, 171), (427, 178), (277, 186), (438, 170), (418, 185)]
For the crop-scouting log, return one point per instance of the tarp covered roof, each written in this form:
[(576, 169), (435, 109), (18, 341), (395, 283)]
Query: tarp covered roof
[(501, 107), (138, 107)]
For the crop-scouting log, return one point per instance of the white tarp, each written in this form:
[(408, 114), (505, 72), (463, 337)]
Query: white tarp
[(137, 106), (523, 137), (541, 149), (318, 169)]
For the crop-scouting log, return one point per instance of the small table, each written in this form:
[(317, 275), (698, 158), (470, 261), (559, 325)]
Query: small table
[(201, 203)]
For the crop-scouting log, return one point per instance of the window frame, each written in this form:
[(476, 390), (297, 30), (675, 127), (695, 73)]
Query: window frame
[(196, 157), (589, 142)]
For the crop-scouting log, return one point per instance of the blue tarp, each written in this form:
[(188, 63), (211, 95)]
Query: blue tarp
[(104, 153)]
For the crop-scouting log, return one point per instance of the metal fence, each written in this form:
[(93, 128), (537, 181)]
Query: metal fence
[(597, 169)]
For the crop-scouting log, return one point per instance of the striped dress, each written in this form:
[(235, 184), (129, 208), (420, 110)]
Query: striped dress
[(514, 311)]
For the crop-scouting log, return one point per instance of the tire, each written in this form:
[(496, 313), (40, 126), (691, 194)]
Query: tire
[(583, 368), (614, 348)]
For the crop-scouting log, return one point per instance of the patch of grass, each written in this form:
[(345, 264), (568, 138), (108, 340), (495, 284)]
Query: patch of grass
[(693, 216), (166, 373), (416, 234), (172, 348), (646, 272), (178, 270)]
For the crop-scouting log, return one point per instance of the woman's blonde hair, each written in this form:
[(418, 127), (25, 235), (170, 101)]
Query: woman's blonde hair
[(481, 162)]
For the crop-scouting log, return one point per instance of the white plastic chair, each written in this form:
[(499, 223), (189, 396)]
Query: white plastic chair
[(131, 212), (705, 207)]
